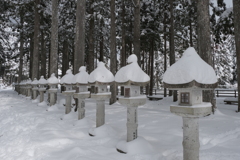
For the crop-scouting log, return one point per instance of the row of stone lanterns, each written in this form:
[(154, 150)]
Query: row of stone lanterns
[(190, 75)]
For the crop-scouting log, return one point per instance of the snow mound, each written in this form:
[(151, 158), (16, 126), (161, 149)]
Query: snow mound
[(42, 80), (189, 68), (137, 146), (53, 108), (68, 78), (101, 74), (53, 79), (43, 103), (131, 72), (103, 131), (69, 116), (82, 76)]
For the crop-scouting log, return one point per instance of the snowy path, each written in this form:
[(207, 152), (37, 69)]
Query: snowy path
[(29, 132)]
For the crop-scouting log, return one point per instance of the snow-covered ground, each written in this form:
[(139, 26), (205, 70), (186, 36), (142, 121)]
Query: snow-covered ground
[(29, 132)]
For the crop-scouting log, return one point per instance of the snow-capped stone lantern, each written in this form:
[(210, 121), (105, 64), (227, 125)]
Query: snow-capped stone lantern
[(99, 79), (67, 81), (53, 88), (28, 87), (34, 88), (42, 88), (190, 75), (132, 77), (81, 81)]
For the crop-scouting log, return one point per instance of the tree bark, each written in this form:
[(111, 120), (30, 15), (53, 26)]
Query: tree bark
[(54, 39), (35, 64), (21, 49), (43, 56), (165, 52), (91, 40), (136, 39), (79, 52), (65, 58), (123, 51), (172, 47), (113, 63), (204, 40), (151, 69), (236, 13)]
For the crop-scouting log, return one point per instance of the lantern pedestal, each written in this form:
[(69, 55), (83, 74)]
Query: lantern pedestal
[(41, 92), (68, 95), (29, 93), (81, 103), (53, 97), (100, 112), (35, 89), (132, 119), (190, 115)]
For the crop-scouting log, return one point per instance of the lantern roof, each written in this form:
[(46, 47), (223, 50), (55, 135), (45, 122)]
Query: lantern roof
[(68, 78), (53, 79), (101, 74), (190, 70), (35, 81), (29, 81), (42, 80), (132, 73), (82, 76)]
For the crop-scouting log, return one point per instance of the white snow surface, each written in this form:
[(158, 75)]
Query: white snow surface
[(68, 78), (29, 132), (42, 80), (101, 74), (82, 76), (53, 79), (35, 81), (188, 68), (131, 72)]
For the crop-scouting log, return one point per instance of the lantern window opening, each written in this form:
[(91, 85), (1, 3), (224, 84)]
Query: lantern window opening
[(185, 98)]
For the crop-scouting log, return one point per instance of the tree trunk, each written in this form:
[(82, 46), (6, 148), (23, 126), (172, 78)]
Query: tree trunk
[(204, 40), (31, 56), (136, 39), (35, 64), (113, 63), (21, 49), (43, 56), (172, 47), (91, 40), (165, 52), (236, 13), (79, 52), (151, 69), (65, 58), (54, 39)]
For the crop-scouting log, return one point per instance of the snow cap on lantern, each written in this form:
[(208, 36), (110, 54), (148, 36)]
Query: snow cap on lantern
[(42, 82), (68, 78), (28, 82), (190, 75), (34, 82), (132, 77), (81, 79), (53, 81), (100, 78)]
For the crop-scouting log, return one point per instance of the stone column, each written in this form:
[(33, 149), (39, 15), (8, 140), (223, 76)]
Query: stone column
[(100, 113), (81, 109), (190, 143), (29, 89), (132, 123), (53, 97), (34, 93), (68, 104)]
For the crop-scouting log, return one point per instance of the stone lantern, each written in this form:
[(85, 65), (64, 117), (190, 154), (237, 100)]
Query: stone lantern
[(24, 87), (132, 77), (21, 87), (190, 75), (53, 88), (42, 88), (99, 79), (28, 88), (81, 80), (34, 88), (67, 81)]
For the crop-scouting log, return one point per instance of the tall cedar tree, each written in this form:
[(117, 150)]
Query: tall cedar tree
[(204, 40), (79, 52), (136, 38), (35, 57), (113, 63), (54, 40), (21, 48), (236, 13)]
